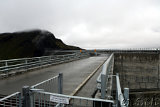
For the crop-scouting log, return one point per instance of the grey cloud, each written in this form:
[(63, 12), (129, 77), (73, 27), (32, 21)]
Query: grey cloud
[(87, 23)]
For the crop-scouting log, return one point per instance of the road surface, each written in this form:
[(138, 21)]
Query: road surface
[(73, 73)]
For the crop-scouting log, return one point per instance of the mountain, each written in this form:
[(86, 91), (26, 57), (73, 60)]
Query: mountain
[(32, 43)]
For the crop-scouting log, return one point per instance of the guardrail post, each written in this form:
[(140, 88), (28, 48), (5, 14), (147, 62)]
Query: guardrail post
[(20, 101), (26, 63), (60, 86), (6, 65), (60, 83), (40, 62), (50, 57), (69, 57), (54, 59), (103, 86), (126, 96), (117, 102), (26, 96)]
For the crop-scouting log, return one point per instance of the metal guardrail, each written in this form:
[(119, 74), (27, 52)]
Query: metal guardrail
[(129, 50), (36, 96), (33, 97), (44, 82), (53, 84), (8, 67), (102, 80), (106, 67), (103, 76), (13, 100), (122, 100), (53, 99)]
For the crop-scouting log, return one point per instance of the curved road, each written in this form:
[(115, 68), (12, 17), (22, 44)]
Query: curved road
[(73, 74)]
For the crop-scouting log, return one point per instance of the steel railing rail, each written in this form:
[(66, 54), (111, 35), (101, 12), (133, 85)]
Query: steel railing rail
[(105, 67), (38, 84), (16, 93), (40, 98), (25, 64), (75, 97), (119, 93), (122, 100), (102, 79), (32, 58), (11, 100), (54, 84)]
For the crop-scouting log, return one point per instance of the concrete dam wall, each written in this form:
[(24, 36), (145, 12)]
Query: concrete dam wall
[(140, 73), (138, 70)]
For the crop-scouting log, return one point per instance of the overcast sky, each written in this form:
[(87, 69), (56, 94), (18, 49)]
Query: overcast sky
[(88, 24)]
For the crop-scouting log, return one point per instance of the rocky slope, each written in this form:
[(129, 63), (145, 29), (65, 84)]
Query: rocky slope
[(30, 44)]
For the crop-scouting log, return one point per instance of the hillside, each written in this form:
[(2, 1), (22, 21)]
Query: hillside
[(29, 44)]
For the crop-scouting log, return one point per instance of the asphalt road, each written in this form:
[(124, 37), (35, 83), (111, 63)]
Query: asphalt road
[(73, 72), (90, 87)]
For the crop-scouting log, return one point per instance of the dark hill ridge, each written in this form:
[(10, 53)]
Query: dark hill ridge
[(29, 44)]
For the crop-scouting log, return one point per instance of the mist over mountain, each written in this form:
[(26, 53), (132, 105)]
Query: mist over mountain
[(31, 43)]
